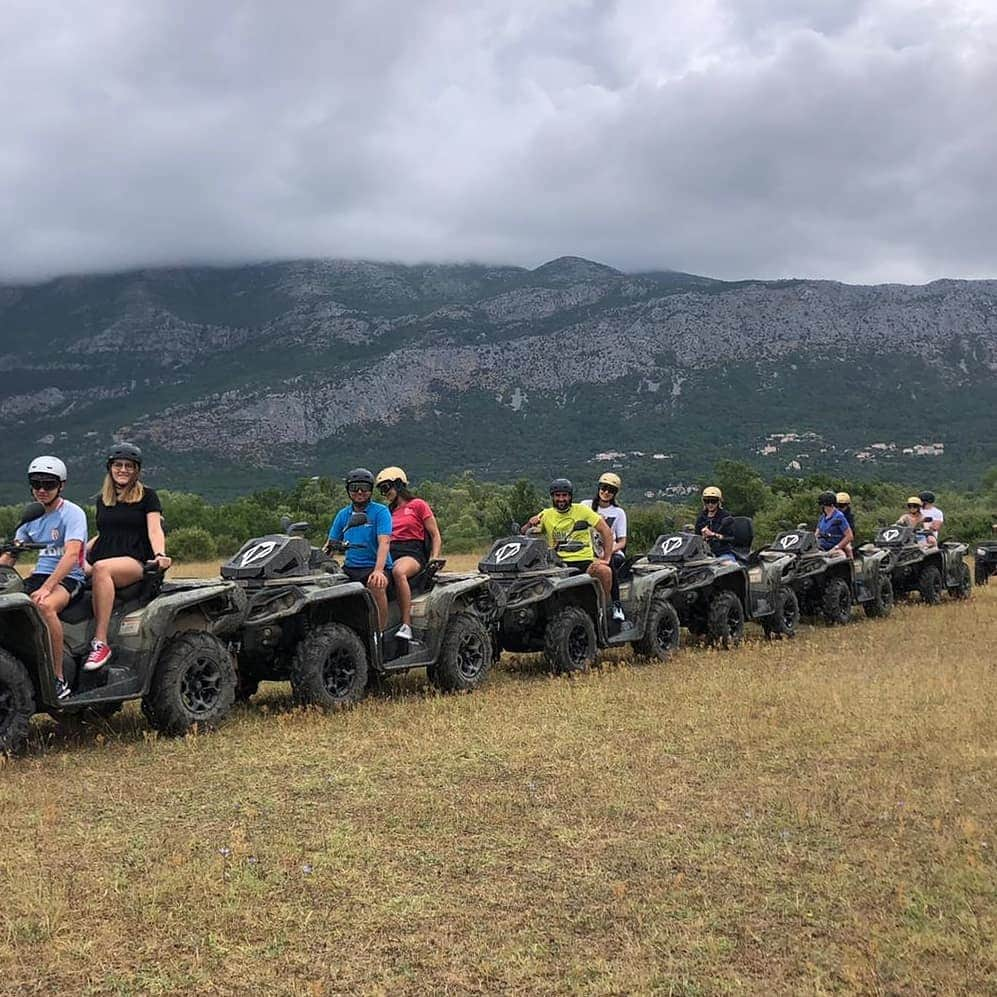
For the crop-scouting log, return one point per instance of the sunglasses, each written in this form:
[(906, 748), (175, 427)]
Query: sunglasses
[(711, 501), (607, 488), (911, 505), (44, 484), (356, 489), (385, 487)]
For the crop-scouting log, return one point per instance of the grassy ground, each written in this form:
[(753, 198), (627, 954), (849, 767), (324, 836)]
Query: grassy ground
[(814, 816)]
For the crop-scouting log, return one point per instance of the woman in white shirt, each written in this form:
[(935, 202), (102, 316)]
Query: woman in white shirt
[(604, 503)]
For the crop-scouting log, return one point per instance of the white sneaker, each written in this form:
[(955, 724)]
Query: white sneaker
[(618, 613), (404, 632)]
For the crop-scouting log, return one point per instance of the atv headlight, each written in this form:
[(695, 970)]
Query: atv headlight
[(980, 552)]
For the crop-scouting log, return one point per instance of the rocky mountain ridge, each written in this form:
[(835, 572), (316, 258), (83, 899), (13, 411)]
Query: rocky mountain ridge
[(272, 369)]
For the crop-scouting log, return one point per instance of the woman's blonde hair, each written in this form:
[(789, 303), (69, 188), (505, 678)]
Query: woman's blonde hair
[(109, 495)]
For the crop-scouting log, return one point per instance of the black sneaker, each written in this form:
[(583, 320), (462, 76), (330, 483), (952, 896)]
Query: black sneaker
[(618, 613), (62, 690)]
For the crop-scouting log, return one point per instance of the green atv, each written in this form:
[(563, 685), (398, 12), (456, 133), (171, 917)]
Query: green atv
[(828, 586), (985, 558), (309, 624), (550, 608), (927, 570), (715, 595), (168, 643)]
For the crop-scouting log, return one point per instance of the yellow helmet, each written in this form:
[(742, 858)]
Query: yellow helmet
[(613, 480), (391, 474), (843, 498), (711, 491), (914, 500)]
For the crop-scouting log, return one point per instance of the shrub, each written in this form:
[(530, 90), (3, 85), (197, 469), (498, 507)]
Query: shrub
[(191, 543)]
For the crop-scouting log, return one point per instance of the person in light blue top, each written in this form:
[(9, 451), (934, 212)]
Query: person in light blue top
[(58, 576), (368, 558)]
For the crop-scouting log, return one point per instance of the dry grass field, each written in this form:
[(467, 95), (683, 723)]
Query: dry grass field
[(815, 816)]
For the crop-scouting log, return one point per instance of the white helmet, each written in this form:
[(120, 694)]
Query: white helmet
[(48, 465)]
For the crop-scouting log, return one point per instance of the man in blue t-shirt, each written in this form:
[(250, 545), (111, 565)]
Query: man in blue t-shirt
[(58, 576), (369, 555), (834, 535)]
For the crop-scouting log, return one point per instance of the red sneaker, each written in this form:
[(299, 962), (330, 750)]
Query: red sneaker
[(98, 656)]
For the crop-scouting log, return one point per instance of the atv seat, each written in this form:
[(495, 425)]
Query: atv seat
[(143, 591), (422, 581), (744, 535)]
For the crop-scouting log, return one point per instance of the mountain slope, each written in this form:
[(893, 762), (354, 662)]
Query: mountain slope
[(236, 377)]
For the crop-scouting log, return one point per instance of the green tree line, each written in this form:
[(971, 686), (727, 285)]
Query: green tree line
[(472, 513)]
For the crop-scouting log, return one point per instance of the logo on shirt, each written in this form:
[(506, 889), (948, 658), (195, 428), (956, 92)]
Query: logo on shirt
[(55, 534)]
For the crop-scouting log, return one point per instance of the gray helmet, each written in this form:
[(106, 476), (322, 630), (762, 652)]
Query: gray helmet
[(360, 475), (928, 497), (827, 498), (124, 451), (562, 485)]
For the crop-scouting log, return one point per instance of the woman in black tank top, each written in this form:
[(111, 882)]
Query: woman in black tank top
[(130, 533)]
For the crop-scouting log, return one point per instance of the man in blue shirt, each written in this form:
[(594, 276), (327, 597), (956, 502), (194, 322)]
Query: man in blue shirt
[(58, 576), (834, 535), (369, 555)]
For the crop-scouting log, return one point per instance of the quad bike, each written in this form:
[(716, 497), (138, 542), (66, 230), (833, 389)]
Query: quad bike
[(715, 595), (308, 623), (551, 608), (168, 651), (929, 570), (828, 586), (985, 558)]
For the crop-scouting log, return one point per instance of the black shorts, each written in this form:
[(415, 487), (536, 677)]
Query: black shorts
[(362, 574), (410, 548), (35, 581)]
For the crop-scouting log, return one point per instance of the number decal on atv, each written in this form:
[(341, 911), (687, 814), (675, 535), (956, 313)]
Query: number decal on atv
[(790, 540), (507, 551), (258, 553), (671, 544)]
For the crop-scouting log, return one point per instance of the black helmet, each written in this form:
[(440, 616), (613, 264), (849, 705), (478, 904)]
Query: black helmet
[(124, 451), (360, 475), (928, 497), (827, 498), (562, 485)]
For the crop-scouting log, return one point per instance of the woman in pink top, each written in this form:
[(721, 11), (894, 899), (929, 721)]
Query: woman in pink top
[(412, 523)]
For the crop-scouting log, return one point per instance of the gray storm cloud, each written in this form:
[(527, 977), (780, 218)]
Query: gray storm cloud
[(845, 139)]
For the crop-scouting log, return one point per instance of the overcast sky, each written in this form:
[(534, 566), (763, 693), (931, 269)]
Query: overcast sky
[(849, 139)]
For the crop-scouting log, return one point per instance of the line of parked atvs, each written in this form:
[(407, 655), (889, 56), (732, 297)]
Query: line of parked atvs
[(284, 610)]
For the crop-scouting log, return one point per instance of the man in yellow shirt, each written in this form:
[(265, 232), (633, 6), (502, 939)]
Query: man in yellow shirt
[(558, 523)]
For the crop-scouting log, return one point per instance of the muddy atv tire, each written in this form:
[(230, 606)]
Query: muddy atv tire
[(329, 668), (881, 605), (569, 641), (929, 584), (785, 618), (836, 602), (465, 655), (194, 683), (17, 703), (964, 582), (661, 635), (725, 620)]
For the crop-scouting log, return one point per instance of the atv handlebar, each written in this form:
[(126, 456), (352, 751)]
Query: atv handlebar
[(16, 547)]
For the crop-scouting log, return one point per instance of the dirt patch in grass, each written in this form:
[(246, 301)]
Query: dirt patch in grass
[(809, 816)]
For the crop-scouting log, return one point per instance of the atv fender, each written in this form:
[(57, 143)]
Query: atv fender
[(219, 609), (432, 612), (24, 635)]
